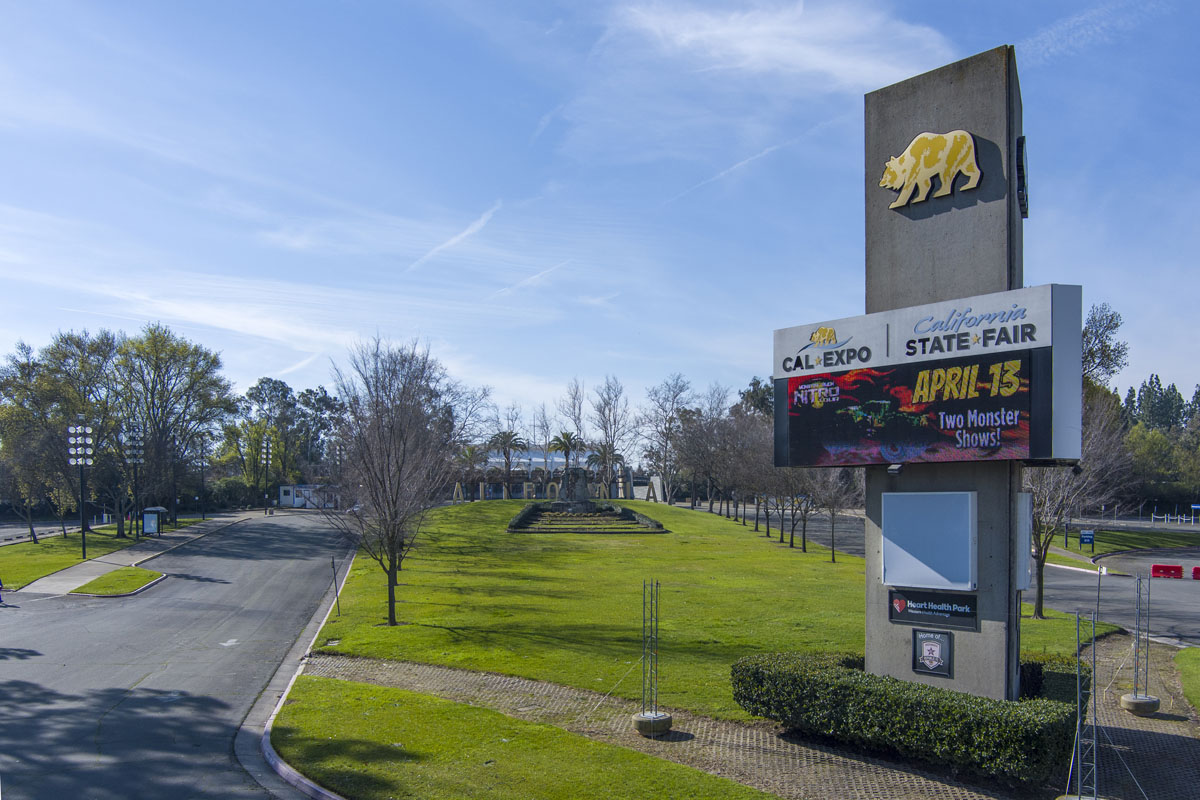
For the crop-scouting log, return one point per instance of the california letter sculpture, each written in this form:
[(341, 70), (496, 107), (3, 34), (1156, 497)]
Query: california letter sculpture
[(945, 155)]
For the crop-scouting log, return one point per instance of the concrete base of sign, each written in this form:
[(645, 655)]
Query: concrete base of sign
[(1140, 705), (651, 724)]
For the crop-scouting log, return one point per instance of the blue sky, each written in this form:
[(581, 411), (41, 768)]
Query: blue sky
[(545, 190)]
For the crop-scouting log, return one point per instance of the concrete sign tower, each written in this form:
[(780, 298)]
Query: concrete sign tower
[(945, 196)]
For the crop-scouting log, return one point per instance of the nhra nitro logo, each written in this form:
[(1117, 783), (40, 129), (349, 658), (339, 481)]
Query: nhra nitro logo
[(832, 353)]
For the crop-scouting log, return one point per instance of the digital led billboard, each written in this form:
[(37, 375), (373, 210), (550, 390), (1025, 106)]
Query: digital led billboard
[(933, 383), (962, 409)]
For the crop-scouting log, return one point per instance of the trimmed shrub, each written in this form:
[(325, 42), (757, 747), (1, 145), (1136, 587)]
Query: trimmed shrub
[(524, 516), (830, 695), (1052, 676), (629, 513)]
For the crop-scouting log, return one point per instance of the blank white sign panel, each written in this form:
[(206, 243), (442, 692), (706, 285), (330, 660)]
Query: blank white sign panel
[(929, 540)]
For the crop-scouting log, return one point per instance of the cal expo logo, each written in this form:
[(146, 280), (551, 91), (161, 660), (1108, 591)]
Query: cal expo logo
[(946, 155), (825, 351)]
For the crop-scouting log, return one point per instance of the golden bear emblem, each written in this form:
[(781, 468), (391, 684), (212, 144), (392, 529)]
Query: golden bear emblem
[(823, 335), (945, 155)]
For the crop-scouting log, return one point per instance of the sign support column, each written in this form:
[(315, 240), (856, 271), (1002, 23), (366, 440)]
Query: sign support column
[(938, 248)]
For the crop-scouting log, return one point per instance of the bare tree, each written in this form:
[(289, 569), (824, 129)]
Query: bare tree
[(614, 425), (570, 406), (804, 503), (542, 431), (700, 439), (660, 425), (404, 421), (1058, 492), (751, 467), (835, 490)]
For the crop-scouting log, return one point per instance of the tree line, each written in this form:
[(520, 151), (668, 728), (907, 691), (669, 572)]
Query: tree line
[(396, 432)]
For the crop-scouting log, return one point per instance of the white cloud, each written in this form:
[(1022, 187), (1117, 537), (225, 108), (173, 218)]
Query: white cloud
[(679, 81), (831, 47), (1098, 25)]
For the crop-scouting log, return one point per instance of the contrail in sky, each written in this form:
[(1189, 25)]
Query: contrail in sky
[(467, 232)]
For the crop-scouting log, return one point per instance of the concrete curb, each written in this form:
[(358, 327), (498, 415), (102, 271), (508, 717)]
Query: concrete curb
[(245, 748), (1084, 570), (139, 561), (138, 590)]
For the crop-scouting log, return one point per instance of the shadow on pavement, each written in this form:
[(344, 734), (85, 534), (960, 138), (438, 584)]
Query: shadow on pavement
[(199, 578), (310, 541), (17, 653), (58, 745)]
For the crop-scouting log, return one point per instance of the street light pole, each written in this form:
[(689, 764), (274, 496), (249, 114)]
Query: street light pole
[(134, 456), (266, 460), (80, 440), (174, 484), (203, 458)]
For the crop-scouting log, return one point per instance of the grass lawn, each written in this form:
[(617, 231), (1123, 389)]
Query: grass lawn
[(1056, 633), (1067, 561), (24, 563), (1112, 541), (119, 581), (1187, 661), (377, 742), (567, 607)]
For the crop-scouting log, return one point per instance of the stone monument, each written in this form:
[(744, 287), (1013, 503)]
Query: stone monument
[(573, 496)]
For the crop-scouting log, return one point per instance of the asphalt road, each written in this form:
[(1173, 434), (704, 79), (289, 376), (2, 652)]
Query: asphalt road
[(1174, 604), (12, 532), (140, 697)]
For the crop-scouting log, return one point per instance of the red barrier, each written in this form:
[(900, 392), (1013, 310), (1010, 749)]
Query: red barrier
[(1166, 571), (1196, 573)]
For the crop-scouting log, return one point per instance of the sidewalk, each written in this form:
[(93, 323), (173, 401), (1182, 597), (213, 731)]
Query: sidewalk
[(1138, 757), (66, 580)]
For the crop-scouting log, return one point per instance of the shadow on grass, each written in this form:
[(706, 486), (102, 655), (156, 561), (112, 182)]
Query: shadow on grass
[(604, 641), (306, 752), (500, 590)]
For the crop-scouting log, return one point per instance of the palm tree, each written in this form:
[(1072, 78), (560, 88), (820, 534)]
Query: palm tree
[(605, 459), (566, 443), (507, 444), (469, 460)]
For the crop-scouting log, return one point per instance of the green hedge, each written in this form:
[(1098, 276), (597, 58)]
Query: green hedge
[(523, 516), (526, 514), (1052, 676), (830, 695), (629, 513)]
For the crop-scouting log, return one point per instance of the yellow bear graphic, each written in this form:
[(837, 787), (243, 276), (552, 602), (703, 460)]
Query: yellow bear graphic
[(823, 335), (942, 154)]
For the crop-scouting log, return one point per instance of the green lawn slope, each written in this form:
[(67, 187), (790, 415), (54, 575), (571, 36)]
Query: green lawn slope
[(372, 743), (567, 608)]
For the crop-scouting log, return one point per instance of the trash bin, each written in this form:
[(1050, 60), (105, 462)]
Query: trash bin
[(154, 519)]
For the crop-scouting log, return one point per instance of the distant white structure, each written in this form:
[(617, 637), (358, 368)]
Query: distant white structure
[(652, 491), (305, 495)]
